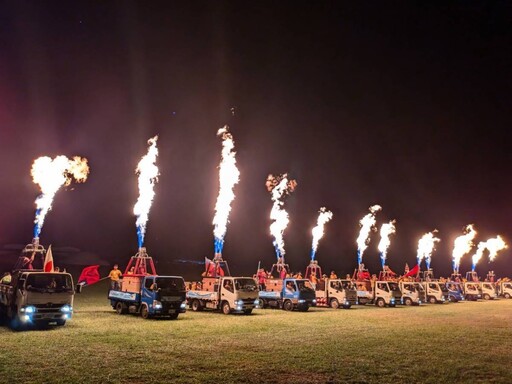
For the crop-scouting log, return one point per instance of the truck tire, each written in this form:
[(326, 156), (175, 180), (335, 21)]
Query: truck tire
[(507, 295), (487, 297), (335, 304), (247, 311), (288, 305), (347, 306), (432, 300), (144, 312), (380, 303), (453, 299), (408, 301), (303, 308), (226, 309), (196, 305), (121, 308)]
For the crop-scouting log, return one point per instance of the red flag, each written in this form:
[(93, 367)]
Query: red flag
[(413, 271), (89, 275), (48, 261)]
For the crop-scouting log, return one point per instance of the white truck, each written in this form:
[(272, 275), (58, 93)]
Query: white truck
[(335, 293), (380, 293), (412, 293), (504, 289), (225, 293), (436, 292), (37, 298), (489, 290)]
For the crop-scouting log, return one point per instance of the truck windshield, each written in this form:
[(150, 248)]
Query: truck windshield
[(453, 287), (393, 286), (304, 285), (245, 285), (49, 282), (443, 287), (170, 284)]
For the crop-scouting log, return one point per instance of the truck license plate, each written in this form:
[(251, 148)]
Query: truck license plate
[(172, 311)]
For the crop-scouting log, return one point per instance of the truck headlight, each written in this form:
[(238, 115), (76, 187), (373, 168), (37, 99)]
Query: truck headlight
[(67, 309), (302, 301), (314, 301), (256, 303), (239, 302), (183, 305), (392, 301), (29, 309), (157, 304)]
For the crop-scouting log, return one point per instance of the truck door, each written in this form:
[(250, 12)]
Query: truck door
[(147, 291), (227, 291)]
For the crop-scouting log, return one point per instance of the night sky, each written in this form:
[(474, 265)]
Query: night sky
[(402, 104)]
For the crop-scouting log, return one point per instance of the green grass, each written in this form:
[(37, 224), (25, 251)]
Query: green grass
[(451, 343)]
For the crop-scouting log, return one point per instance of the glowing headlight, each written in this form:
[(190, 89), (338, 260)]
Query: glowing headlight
[(256, 302), (392, 301), (183, 305), (314, 301), (157, 304), (29, 309), (67, 308), (302, 301), (239, 302)]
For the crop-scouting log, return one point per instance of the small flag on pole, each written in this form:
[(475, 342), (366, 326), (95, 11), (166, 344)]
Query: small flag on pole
[(48, 261)]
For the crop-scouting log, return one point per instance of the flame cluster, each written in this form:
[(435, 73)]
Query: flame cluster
[(148, 177), (51, 174), (367, 224), (493, 245), (426, 246), (228, 177), (463, 245), (279, 187), (386, 230), (324, 216)]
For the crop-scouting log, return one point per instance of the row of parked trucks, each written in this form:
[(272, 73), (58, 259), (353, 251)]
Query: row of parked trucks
[(42, 298)]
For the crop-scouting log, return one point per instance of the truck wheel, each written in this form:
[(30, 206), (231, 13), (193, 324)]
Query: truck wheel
[(432, 300), (144, 312), (380, 303), (487, 297), (347, 306), (264, 304), (225, 308), (453, 299), (248, 311), (120, 308), (507, 295), (288, 305), (407, 301), (196, 305), (335, 303)]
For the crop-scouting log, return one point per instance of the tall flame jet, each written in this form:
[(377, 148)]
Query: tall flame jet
[(228, 178), (426, 246), (324, 216), (51, 174), (493, 245), (367, 224), (279, 187), (148, 177), (386, 230), (462, 245)]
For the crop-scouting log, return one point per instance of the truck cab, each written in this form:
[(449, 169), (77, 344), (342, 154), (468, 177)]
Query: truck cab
[(37, 298), (386, 293), (340, 293), (412, 293), (436, 292), (488, 290), (151, 296), (455, 293), (288, 294), (472, 290), (505, 289), (226, 293)]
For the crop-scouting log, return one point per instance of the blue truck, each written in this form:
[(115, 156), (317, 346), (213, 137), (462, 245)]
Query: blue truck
[(150, 296), (288, 294)]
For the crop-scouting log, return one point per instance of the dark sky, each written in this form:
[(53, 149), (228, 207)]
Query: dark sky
[(402, 104)]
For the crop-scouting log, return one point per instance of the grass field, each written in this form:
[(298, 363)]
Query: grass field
[(451, 343)]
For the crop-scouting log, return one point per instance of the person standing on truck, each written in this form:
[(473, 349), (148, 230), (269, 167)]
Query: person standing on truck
[(115, 275), (262, 278)]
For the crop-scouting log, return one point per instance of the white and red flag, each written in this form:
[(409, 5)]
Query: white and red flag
[(48, 261)]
